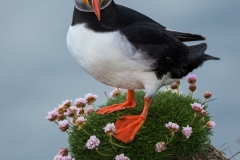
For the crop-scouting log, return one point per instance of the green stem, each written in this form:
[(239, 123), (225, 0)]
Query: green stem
[(69, 122), (190, 94), (67, 133), (96, 149), (56, 122), (195, 114), (106, 95), (234, 155), (94, 107), (110, 140), (172, 135), (85, 131), (211, 100)]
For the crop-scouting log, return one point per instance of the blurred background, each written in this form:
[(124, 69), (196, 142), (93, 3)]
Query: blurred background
[(37, 72)]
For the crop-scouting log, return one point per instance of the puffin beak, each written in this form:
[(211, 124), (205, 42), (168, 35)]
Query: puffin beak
[(96, 7)]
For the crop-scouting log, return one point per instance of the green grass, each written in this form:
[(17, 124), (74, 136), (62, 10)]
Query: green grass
[(165, 107)]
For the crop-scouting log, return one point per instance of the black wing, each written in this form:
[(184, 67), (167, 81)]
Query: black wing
[(167, 51), (128, 16)]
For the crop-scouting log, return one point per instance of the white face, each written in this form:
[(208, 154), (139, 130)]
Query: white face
[(86, 5)]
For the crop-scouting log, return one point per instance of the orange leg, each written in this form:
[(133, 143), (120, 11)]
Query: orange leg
[(128, 126), (130, 103)]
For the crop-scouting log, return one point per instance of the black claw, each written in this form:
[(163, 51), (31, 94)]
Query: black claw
[(121, 118), (129, 141)]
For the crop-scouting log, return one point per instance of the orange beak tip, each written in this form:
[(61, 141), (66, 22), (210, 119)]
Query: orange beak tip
[(96, 7)]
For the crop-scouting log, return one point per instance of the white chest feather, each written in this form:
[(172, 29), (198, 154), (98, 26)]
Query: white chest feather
[(110, 58)]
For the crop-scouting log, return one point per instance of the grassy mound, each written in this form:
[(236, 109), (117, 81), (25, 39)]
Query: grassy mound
[(165, 107)]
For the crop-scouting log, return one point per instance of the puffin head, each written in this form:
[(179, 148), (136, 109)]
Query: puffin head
[(92, 6)]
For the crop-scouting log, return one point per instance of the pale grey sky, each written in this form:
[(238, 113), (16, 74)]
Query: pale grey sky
[(37, 72)]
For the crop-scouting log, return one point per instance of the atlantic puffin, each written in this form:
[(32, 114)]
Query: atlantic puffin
[(123, 48)]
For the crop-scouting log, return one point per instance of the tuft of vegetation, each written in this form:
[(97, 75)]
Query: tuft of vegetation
[(165, 107)]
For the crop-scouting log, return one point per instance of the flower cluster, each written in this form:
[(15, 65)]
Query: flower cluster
[(173, 127), (110, 129), (77, 113), (187, 131), (90, 98), (121, 157), (197, 107), (192, 78), (160, 146), (210, 124), (175, 87), (93, 142), (115, 92), (63, 155), (63, 125)]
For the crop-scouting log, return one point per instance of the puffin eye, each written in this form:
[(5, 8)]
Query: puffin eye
[(86, 1)]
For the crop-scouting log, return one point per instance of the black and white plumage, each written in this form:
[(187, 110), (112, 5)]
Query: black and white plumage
[(125, 49)]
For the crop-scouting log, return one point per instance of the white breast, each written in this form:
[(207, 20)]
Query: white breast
[(110, 58)]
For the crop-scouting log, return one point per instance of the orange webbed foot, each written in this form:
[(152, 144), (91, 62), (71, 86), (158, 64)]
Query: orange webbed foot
[(128, 126), (130, 103)]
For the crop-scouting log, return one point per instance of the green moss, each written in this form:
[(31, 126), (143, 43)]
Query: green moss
[(165, 107)]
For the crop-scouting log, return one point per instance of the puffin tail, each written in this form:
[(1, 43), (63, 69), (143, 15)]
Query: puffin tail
[(196, 58), (197, 55)]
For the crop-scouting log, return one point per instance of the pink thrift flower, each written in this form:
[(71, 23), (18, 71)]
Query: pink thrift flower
[(74, 109), (61, 109), (160, 146), (110, 128), (210, 124), (207, 94), (77, 110), (187, 131), (178, 82), (203, 112), (69, 113), (66, 104), (63, 151), (81, 111), (197, 107), (89, 110), (80, 102), (80, 121), (60, 117), (90, 98), (52, 115), (63, 155), (172, 126), (60, 157), (192, 87), (115, 92), (63, 125), (121, 157), (191, 78), (174, 85), (93, 142)]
